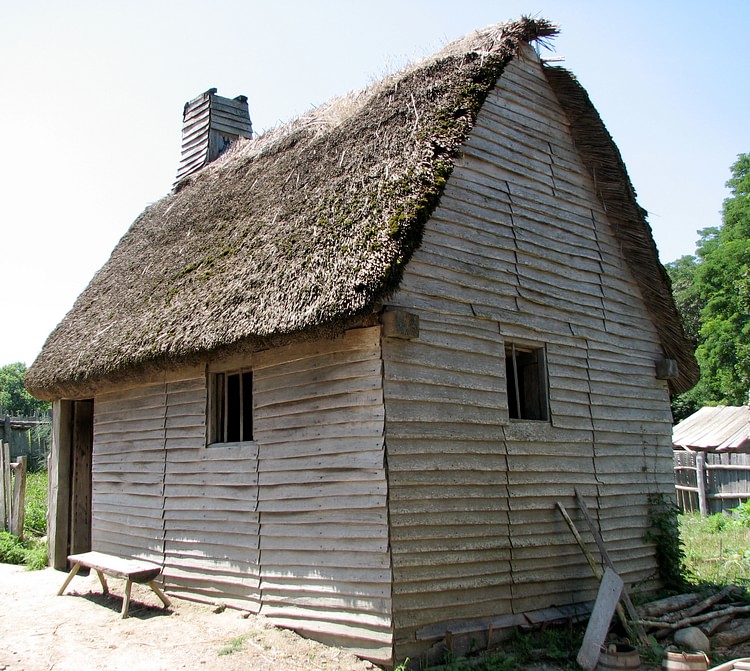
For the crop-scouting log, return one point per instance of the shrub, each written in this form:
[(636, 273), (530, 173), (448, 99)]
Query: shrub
[(12, 550), (742, 514), (32, 553)]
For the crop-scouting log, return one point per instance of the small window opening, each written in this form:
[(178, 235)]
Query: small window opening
[(232, 404), (526, 375)]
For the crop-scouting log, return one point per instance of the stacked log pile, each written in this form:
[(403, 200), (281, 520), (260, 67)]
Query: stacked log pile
[(722, 615)]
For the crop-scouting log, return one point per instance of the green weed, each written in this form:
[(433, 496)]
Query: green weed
[(234, 645)]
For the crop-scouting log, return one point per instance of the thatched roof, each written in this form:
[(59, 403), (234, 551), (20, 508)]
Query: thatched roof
[(309, 227)]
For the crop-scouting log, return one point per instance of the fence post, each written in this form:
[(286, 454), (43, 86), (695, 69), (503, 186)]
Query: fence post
[(5, 487), (19, 497), (4, 496), (700, 465)]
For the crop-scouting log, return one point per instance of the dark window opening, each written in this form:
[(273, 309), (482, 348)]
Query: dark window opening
[(526, 375), (232, 407)]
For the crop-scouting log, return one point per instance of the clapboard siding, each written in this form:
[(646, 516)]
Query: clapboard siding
[(324, 545), (159, 493), (294, 523), (520, 248), (128, 472), (213, 557)]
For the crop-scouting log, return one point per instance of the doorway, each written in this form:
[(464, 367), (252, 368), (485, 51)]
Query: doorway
[(69, 517)]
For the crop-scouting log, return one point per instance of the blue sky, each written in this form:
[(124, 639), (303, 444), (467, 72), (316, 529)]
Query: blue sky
[(91, 97)]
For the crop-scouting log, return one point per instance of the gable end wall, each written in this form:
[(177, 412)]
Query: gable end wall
[(519, 249)]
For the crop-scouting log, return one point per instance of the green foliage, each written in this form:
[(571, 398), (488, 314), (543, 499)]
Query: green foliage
[(741, 514), (715, 524), (664, 531), (32, 553), (14, 399), (712, 293), (33, 550), (35, 513), (686, 295), (12, 550)]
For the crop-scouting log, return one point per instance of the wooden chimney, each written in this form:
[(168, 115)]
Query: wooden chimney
[(210, 123)]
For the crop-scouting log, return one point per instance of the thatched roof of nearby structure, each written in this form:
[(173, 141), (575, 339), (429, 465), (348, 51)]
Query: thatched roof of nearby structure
[(722, 428), (309, 227)]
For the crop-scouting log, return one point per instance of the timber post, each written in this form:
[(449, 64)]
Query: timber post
[(700, 474), (4, 486), (19, 497)]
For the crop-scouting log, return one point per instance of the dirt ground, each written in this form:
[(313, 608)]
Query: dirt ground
[(82, 631)]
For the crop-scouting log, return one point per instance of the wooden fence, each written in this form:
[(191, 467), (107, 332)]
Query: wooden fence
[(710, 482), (28, 437), (12, 491)]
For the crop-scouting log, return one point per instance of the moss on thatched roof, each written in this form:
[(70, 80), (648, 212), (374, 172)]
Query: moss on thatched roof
[(304, 229)]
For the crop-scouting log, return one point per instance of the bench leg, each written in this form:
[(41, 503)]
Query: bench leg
[(103, 581), (160, 594), (126, 599), (70, 577)]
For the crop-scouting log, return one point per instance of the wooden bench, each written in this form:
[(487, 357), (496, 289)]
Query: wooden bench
[(131, 570)]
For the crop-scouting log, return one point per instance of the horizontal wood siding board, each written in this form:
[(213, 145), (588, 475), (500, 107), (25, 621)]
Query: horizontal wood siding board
[(283, 439), (369, 410), (359, 453), (341, 398), (354, 377)]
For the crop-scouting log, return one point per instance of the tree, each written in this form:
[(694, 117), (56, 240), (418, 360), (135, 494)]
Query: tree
[(14, 399), (722, 278), (712, 293), (689, 303)]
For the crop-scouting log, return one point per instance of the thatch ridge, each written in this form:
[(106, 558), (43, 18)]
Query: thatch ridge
[(602, 157), (308, 228)]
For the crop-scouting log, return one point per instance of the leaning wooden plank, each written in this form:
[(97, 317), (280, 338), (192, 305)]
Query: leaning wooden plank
[(607, 600), (638, 628), (595, 568)]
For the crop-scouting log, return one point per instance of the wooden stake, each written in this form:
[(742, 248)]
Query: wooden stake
[(700, 466), (4, 493), (19, 497)]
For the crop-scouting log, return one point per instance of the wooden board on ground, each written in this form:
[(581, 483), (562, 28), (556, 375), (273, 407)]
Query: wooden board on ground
[(607, 599)]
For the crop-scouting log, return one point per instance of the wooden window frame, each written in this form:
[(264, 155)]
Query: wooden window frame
[(527, 378), (230, 407)]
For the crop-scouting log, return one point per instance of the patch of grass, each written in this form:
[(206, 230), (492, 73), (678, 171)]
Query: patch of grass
[(717, 548), (234, 645)]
